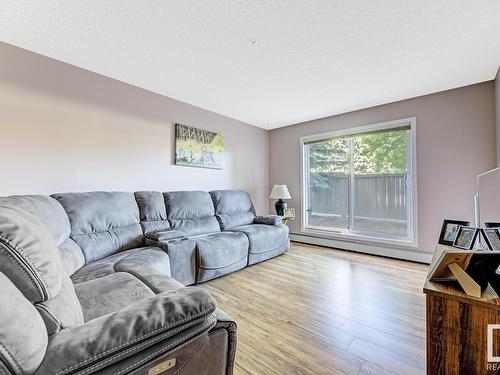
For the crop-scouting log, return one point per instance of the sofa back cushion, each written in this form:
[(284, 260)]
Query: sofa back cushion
[(46, 209), (191, 212), (31, 228), (232, 208), (52, 214), (23, 339), (152, 211), (102, 223)]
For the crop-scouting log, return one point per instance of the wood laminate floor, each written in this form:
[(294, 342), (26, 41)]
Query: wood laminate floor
[(322, 311)]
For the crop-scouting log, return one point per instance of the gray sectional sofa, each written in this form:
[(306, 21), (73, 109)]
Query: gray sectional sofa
[(96, 282)]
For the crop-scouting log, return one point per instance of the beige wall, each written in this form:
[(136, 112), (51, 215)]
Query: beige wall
[(66, 129), (455, 137)]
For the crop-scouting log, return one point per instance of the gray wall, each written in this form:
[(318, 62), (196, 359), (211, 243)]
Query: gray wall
[(67, 129), (455, 139)]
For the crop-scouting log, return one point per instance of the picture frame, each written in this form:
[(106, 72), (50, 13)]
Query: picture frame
[(289, 213), (491, 237), (465, 266), (466, 237), (439, 269), (492, 225), (449, 231), (199, 148)]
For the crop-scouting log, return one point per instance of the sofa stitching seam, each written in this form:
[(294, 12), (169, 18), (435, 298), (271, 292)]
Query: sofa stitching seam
[(224, 266), (142, 281), (38, 274), (14, 361), (49, 311), (145, 335), (267, 251), (201, 346), (17, 263), (103, 231), (28, 260), (120, 260)]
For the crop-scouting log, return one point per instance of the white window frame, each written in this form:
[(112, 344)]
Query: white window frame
[(345, 234)]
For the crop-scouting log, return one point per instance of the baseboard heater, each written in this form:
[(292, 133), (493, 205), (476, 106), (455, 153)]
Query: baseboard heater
[(363, 247)]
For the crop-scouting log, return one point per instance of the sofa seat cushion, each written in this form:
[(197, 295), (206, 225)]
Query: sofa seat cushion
[(102, 267), (110, 293), (272, 239), (113, 282), (220, 253)]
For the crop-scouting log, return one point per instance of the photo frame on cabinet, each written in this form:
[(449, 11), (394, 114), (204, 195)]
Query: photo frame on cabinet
[(466, 237), (449, 231), (492, 238)]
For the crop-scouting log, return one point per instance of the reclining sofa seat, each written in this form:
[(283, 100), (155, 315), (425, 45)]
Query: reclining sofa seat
[(192, 212), (205, 252), (118, 269), (235, 212), (84, 326)]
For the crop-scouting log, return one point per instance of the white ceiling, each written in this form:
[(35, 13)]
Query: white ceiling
[(311, 59)]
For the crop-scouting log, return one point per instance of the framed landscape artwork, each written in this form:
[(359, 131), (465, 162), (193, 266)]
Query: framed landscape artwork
[(198, 148)]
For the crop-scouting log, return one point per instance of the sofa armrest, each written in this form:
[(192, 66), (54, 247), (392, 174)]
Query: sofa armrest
[(166, 235), (268, 219), (165, 320), (182, 254)]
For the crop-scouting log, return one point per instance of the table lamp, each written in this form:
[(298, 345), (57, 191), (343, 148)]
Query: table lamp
[(280, 192)]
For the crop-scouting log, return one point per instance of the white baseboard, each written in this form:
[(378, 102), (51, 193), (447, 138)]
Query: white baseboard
[(391, 252)]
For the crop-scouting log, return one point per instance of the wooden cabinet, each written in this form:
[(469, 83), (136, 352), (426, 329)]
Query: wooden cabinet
[(457, 329)]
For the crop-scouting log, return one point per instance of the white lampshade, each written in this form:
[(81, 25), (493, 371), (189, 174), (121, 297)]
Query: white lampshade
[(280, 192)]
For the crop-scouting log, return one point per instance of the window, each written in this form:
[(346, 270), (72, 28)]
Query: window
[(360, 182)]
